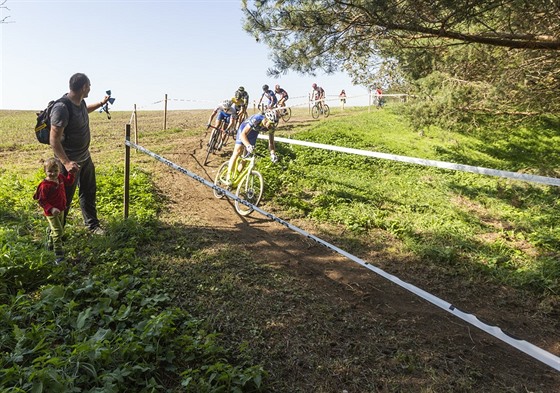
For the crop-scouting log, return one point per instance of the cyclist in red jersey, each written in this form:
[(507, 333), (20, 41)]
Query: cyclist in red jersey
[(318, 95), (283, 95)]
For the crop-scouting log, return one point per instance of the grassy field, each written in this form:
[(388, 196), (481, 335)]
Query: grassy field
[(456, 220), (111, 322)]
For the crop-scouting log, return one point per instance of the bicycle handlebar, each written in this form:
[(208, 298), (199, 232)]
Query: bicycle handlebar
[(254, 153)]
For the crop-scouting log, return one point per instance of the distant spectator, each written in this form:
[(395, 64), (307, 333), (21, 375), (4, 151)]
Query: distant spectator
[(379, 97), (342, 96)]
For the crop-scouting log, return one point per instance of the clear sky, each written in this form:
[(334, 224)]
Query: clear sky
[(195, 51)]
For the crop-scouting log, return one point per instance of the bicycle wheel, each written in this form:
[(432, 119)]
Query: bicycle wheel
[(315, 111), (286, 114), (326, 110), (219, 180), (212, 144), (250, 189), (224, 136)]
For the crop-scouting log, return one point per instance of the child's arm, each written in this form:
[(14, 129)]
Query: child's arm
[(69, 179)]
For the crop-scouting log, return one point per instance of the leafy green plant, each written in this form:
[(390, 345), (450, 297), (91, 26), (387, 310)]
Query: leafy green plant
[(104, 321)]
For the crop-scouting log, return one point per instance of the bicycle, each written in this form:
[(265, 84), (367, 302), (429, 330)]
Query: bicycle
[(284, 112), (249, 183), (216, 140), (317, 110)]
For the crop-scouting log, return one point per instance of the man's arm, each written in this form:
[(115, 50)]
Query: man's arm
[(56, 144), (97, 105)]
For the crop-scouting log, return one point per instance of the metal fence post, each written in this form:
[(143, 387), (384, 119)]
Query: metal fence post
[(126, 171)]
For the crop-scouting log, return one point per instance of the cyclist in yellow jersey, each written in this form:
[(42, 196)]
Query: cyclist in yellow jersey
[(238, 105), (241, 94)]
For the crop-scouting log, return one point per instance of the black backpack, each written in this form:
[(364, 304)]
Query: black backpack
[(43, 125)]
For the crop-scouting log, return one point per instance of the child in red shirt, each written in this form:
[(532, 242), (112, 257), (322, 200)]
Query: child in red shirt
[(51, 196)]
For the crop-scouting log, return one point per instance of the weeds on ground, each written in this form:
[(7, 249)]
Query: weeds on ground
[(103, 320)]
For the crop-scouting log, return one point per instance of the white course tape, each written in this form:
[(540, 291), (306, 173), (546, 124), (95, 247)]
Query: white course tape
[(522, 345), (551, 181)]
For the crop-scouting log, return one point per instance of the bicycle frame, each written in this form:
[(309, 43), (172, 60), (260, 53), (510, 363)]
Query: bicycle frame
[(248, 163), (247, 182)]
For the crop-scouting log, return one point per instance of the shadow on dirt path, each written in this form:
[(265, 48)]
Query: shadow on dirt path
[(333, 323)]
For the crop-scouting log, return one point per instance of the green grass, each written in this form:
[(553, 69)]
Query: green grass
[(463, 221), (111, 321), (105, 321)]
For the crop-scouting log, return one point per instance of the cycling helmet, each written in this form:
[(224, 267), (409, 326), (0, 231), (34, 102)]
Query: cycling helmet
[(272, 117), (227, 104), (265, 87), (241, 88), (314, 85)]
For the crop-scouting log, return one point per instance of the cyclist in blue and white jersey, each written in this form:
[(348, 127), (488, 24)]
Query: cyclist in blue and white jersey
[(247, 136), (270, 95), (226, 112)]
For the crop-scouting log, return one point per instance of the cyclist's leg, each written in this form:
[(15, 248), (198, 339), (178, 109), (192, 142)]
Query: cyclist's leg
[(242, 116), (281, 106), (220, 119), (237, 150), (225, 125)]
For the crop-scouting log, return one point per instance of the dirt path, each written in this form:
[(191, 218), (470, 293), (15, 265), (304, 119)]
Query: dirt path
[(374, 324)]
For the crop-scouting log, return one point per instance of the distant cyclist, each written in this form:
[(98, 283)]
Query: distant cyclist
[(227, 114), (283, 94), (247, 136), (269, 94), (318, 95), (241, 94), (239, 106)]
